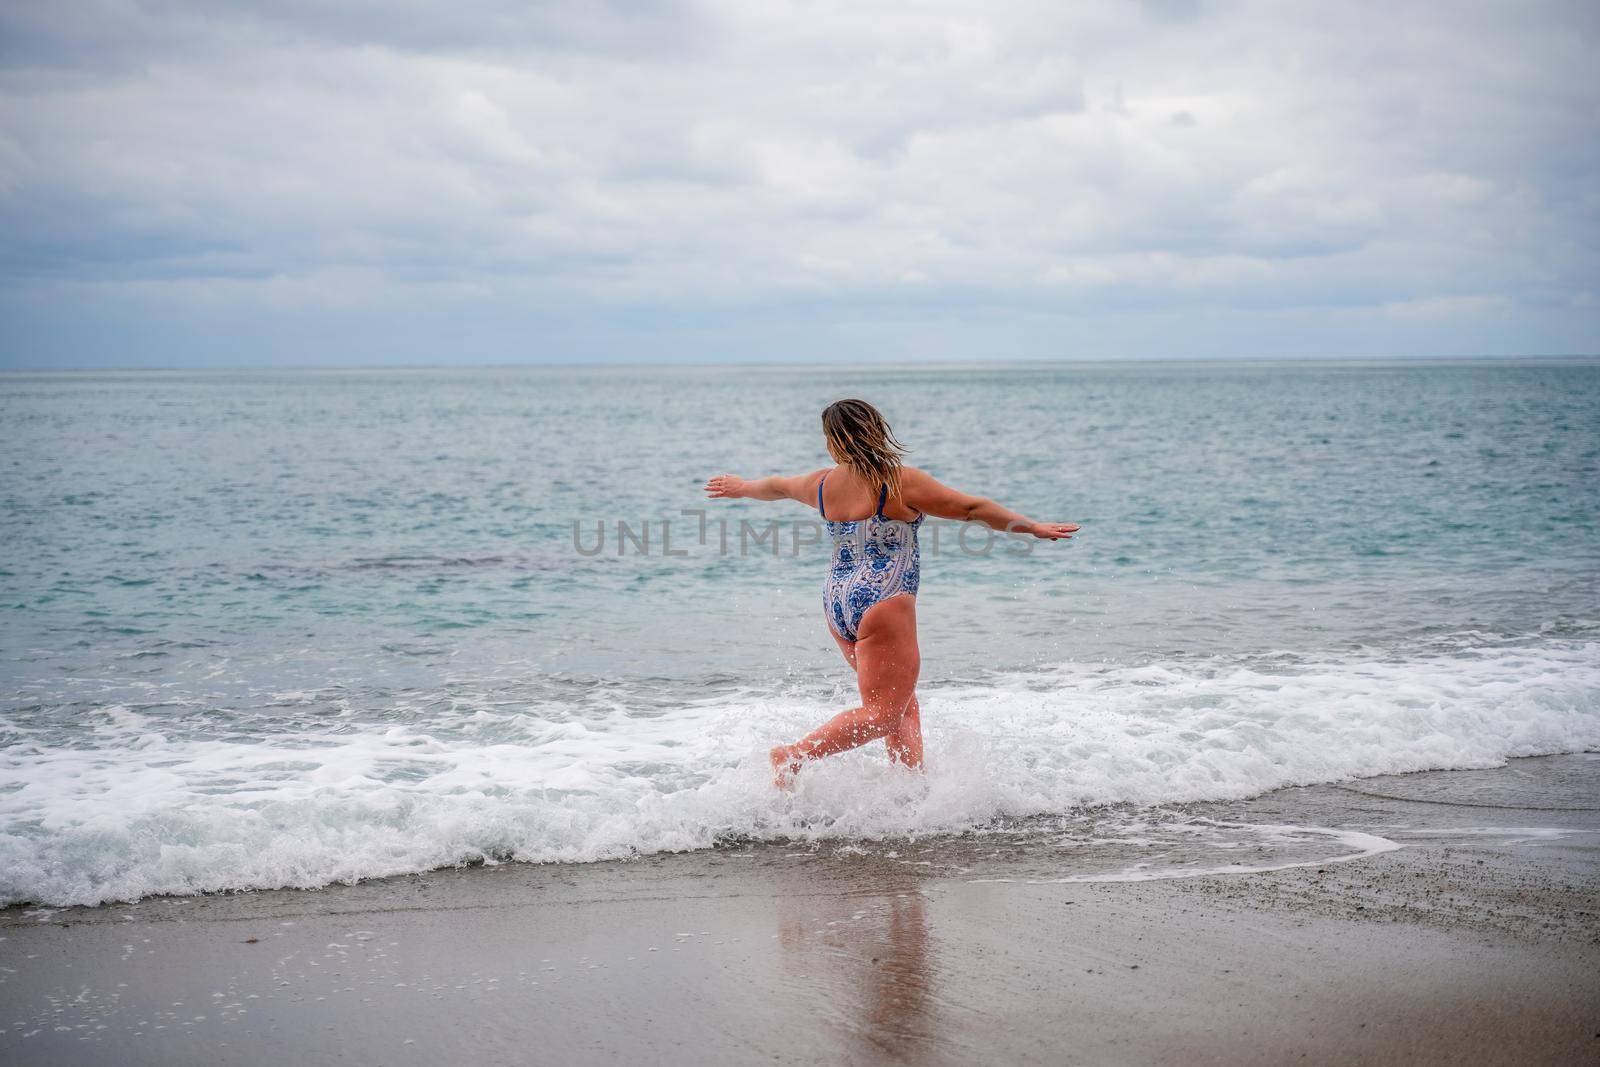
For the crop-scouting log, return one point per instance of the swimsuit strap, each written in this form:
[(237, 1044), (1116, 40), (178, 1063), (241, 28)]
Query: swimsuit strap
[(883, 496), (820, 510)]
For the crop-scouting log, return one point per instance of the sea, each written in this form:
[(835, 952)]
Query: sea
[(289, 628)]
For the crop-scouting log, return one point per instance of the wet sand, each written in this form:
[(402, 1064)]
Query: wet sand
[(1477, 940)]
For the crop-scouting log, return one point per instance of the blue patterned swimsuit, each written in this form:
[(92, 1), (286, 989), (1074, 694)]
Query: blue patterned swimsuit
[(873, 559)]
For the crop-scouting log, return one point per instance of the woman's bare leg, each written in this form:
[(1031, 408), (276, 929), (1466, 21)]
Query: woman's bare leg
[(887, 663), (905, 741)]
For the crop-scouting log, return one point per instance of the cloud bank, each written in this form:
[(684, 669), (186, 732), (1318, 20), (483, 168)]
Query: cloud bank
[(293, 182)]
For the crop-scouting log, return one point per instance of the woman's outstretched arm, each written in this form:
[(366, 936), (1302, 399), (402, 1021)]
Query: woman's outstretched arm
[(801, 487), (921, 490)]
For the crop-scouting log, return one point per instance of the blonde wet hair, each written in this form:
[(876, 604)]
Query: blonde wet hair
[(859, 437)]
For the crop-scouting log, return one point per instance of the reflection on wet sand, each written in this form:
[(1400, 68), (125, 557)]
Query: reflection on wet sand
[(872, 956)]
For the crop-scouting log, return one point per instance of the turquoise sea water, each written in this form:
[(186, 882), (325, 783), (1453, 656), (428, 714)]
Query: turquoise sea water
[(284, 628)]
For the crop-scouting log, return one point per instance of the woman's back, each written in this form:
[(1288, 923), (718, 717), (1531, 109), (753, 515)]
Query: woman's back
[(847, 497)]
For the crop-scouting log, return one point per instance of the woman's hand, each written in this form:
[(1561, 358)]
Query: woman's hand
[(727, 485), (1052, 531)]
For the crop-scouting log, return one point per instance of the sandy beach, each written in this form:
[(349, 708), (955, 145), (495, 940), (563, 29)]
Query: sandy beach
[(1476, 940)]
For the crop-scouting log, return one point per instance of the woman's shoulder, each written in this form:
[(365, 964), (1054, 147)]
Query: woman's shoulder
[(806, 485), (921, 490)]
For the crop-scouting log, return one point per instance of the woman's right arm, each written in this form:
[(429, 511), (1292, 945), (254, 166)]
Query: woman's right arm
[(801, 487), (921, 490)]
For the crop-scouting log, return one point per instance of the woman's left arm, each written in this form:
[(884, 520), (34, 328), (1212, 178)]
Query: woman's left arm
[(927, 494)]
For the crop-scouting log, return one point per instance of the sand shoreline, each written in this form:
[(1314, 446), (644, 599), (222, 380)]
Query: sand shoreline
[(1478, 939)]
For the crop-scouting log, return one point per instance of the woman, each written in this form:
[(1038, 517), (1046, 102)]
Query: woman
[(872, 505)]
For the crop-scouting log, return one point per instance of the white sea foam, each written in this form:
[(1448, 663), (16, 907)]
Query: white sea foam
[(1346, 845), (141, 812)]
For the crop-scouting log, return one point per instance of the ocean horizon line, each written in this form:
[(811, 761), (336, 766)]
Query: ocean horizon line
[(857, 364)]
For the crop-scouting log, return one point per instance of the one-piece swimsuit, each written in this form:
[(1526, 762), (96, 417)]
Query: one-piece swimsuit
[(873, 559)]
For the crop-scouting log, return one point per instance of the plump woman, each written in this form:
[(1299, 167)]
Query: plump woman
[(872, 505)]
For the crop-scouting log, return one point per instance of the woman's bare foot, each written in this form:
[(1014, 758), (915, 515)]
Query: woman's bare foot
[(785, 765)]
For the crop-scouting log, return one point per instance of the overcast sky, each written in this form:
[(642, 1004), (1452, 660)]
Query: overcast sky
[(372, 181)]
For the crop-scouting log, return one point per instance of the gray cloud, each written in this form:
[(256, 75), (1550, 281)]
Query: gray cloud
[(357, 181)]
